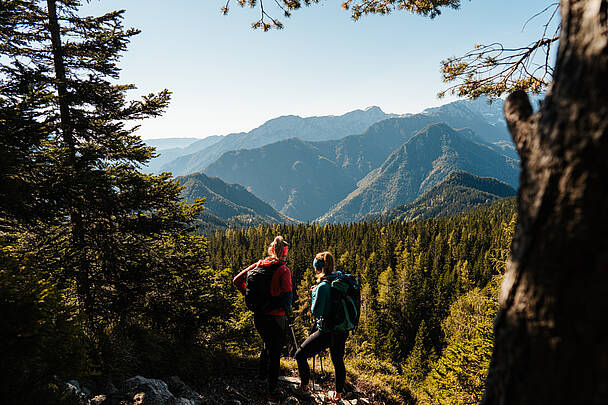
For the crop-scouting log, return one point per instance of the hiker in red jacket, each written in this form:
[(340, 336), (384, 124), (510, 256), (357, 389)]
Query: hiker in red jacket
[(268, 293)]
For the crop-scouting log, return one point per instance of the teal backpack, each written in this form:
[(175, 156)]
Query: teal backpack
[(345, 308)]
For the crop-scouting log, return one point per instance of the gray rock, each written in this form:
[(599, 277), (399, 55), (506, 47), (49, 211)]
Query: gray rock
[(148, 391), (292, 380), (181, 389), (233, 402), (98, 400), (74, 385), (139, 398)]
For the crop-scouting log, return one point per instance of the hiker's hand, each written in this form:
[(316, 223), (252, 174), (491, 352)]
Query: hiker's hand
[(290, 319)]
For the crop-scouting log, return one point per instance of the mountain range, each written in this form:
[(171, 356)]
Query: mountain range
[(304, 180), (195, 158), (459, 192), (422, 162)]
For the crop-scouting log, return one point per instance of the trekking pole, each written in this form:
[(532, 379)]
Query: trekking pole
[(295, 341), (313, 373)]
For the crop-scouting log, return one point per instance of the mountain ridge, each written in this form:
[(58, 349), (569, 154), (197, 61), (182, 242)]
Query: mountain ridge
[(459, 192), (228, 204), (316, 128), (420, 163)]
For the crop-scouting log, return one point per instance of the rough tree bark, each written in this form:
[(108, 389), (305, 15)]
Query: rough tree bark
[(551, 334)]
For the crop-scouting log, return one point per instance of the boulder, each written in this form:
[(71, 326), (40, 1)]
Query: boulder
[(98, 400), (181, 390), (82, 394), (148, 391), (73, 386), (289, 380)]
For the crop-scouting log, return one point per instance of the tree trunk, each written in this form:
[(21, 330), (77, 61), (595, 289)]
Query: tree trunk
[(551, 334), (76, 218), (60, 77)]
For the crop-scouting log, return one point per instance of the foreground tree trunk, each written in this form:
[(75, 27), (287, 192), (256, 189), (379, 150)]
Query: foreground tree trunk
[(551, 344)]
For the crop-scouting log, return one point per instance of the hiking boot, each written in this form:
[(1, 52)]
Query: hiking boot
[(334, 397)]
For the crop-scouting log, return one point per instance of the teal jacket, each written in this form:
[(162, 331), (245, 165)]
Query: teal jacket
[(321, 298)]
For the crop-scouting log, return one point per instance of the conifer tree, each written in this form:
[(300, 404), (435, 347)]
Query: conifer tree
[(115, 240)]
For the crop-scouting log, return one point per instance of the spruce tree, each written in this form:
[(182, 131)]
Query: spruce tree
[(115, 240)]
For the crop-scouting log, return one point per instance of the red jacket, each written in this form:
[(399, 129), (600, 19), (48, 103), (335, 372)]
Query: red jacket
[(279, 286)]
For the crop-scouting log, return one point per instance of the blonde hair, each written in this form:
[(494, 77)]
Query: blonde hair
[(276, 247), (328, 265)]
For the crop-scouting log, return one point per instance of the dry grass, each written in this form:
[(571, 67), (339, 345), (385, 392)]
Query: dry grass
[(374, 379)]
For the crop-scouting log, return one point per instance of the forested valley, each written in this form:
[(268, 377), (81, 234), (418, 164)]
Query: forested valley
[(429, 295)]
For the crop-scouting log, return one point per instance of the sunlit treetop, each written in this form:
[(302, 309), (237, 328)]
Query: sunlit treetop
[(429, 8)]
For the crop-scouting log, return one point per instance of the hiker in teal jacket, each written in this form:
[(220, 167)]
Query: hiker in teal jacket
[(321, 300), (322, 339)]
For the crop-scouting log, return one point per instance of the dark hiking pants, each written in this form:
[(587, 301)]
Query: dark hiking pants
[(317, 342), (272, 330)]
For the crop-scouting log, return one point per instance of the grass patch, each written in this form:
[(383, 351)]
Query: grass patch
[(376, 379)]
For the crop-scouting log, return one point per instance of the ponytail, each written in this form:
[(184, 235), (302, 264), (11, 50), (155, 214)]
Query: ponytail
[(278, 248), (324, 264)]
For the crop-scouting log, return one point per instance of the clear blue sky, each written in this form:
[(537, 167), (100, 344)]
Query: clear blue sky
[(226, 77)]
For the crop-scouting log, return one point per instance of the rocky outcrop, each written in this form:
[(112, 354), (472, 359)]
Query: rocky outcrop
[(139, 390), (148, 391)]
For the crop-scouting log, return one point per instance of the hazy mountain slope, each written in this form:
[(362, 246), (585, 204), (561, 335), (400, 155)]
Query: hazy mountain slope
[(422, 162), (293, 176), (459, 192), (359, 154), (490, 125), (227, 201), (277, 129), (169, 149), (354, 156), (171, 143)]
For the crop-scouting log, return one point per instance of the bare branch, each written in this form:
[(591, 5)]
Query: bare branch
[(492, 70), (555, 5)]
